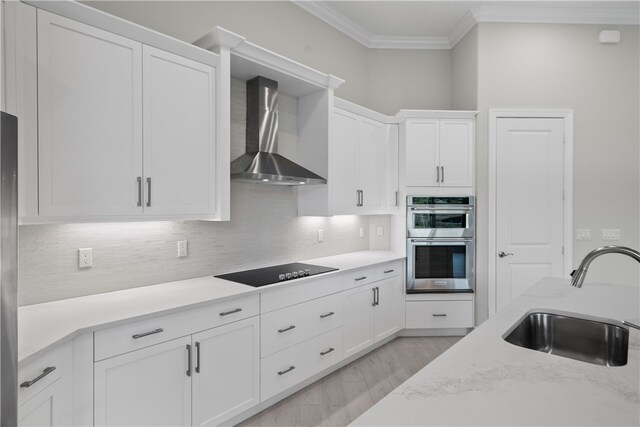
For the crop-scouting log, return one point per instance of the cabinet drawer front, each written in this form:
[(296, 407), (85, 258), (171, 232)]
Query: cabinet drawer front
[(136, 335), (305, 290), (390, 269), (289, 367), (439, 314), (289, 326), (353, 279), (47, 368)]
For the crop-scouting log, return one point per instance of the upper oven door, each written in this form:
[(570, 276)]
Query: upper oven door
[(440, 266), (440, 222)]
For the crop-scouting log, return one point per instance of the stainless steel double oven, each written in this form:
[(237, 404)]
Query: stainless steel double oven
[(440, 244)]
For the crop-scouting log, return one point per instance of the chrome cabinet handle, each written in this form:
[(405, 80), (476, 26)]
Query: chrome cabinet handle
[(286, 329), (397, 199), (377, 295), (502, 254), (289, 369), (323, 316), (146, 334), (323, 353), (360, 278), (188, 360), (439, 315), (388, 271), (437, 173), (442, 167), (226, 313), (373, 304), (44, 373), (139, 191), (148, 191), (197, 357), (361, 197), (357, 197)]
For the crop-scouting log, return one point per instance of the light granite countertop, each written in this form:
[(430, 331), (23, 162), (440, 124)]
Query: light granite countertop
[(41, 326), (483, 380)]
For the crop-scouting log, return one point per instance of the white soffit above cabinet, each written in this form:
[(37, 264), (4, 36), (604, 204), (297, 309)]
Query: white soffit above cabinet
[(442, 24)]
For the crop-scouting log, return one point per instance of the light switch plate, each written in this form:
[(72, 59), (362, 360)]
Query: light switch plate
[(182, 248), (320, 236), (610, 234), (380, 231), (361, 231), (583, 234)]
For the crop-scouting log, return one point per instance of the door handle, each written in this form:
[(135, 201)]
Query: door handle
[(502, 254)]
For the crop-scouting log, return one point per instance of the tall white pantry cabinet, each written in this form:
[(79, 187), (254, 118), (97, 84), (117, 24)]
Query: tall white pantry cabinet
[(114, 126)]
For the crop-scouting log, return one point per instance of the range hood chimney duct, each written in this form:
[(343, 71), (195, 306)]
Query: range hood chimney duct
[(261, 163)]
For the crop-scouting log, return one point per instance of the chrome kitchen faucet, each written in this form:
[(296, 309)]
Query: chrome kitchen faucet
[(577, 276)]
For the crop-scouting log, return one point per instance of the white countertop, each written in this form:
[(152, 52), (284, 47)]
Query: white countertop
[(43, 325), (483, 380)]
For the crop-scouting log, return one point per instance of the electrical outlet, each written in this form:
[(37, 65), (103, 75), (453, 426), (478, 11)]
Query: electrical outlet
[(583, 234), (320, 236), (361, 231), (85, 258), (182, 249), (380, 231), (610, 234)]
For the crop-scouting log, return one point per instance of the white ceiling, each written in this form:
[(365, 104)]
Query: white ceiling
[(441, 24)]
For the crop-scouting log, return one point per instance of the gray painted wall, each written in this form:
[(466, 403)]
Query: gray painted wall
[(564, 66)]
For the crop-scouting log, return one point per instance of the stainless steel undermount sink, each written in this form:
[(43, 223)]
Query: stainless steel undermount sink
[(576, 336)]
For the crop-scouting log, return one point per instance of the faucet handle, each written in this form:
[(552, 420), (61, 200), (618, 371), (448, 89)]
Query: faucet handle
[(572, 273)]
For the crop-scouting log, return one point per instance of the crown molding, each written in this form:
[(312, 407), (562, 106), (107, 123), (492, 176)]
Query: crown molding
[(531, 15)]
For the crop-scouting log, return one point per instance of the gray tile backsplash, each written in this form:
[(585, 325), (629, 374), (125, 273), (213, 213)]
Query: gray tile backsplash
[(264, 229)]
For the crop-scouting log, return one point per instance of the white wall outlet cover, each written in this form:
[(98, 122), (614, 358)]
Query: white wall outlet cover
[(182, 249), (85, 258), (320, 235), (609, 37), (380, 231), (583, 234), (361, 231), (610, 234)]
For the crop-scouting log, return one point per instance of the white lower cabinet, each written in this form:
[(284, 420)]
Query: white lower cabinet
[(200, 379), (440, 314), (371, 313), (45, 389)]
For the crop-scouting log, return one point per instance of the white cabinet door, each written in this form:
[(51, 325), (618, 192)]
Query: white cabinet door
[(456, 153), (421, 152), (344, 175), (49, 407), (370, 164), (387, 311), (89, 120), (392, 195), (357, 328), (148, 387), (226, 379), (179, 134)]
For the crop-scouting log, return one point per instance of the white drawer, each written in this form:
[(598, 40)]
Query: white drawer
[(136, 335), (301, 291), (390, 269), (439, 314), (42, 371), (362, 276), (289, 367), (289, 326)]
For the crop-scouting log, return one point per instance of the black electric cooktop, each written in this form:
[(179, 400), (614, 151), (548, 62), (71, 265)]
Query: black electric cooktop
[(279, 273)]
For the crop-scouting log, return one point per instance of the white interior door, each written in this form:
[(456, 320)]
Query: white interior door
[(529, 203)]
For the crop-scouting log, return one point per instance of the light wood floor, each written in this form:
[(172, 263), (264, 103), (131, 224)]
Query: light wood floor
[(341, 397)]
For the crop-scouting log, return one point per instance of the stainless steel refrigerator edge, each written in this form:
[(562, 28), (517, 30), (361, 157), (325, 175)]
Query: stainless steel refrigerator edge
[(8, 270)]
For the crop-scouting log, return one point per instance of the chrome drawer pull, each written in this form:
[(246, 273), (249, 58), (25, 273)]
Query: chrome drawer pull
[(146, 334), (439, 315), (388, 271), (44, 373), (139, 191), (286, 329), (188, 360), (289, 369), (360, 278), (226, 313), (148, 191), (322, 353), (322, 316)]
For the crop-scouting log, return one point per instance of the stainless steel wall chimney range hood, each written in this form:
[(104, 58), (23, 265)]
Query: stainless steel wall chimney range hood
[(261, 163)]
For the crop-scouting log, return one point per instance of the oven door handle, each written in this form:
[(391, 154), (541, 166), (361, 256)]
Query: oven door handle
[(441, 242), (461, 210)]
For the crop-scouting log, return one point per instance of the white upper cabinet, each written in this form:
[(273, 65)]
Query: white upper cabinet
[(344, 170), (439, 152), (179, 134), (370, 164), (125, 121), (89, 119)]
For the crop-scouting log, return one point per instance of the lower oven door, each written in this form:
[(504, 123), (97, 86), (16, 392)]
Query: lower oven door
[(443, 265)]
